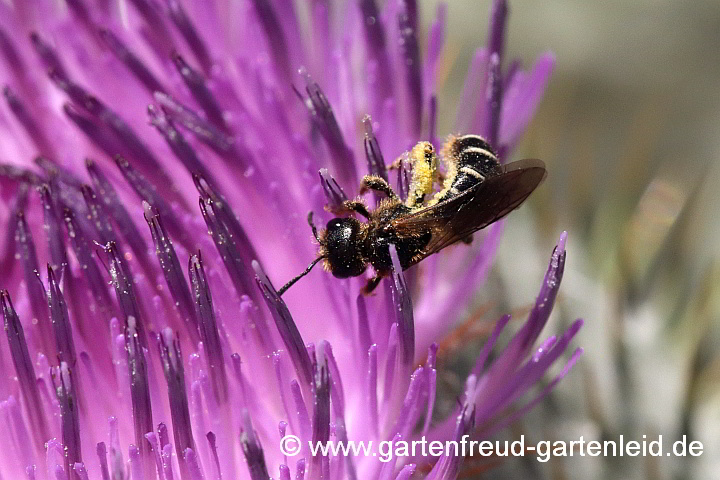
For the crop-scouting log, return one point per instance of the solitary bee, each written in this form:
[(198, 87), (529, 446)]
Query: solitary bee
[(477, 191)]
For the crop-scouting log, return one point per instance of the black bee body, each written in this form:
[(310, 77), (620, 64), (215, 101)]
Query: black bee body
[(470, 161), (348, 245), (380, 234), (477, 191)]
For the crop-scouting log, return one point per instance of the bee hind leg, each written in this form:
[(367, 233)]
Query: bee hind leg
[(467, 240), (371, 285)]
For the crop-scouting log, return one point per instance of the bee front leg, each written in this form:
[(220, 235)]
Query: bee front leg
[(378, 184), (357, 207), (371, 285), (312, 225)]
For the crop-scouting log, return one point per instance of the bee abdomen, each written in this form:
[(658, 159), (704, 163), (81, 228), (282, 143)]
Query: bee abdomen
[(473, 159), (460, 144)]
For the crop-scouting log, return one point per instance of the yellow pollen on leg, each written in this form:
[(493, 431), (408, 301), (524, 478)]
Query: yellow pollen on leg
[(450, 162), (424, 172)]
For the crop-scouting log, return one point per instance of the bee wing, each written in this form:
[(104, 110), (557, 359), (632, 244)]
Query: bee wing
[(475, 208)]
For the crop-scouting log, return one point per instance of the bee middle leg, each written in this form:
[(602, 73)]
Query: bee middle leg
[(467, 240), (378, 184)]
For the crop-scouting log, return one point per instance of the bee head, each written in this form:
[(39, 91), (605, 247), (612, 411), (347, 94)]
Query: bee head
[(341, 245)]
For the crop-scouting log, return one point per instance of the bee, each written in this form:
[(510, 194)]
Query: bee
[(476, 191)]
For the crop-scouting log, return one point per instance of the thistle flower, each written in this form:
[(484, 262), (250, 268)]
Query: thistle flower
[(152, 370)]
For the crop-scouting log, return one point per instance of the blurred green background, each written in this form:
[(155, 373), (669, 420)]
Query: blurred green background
[(629, 129)]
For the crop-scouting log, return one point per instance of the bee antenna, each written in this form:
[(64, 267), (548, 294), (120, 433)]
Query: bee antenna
[(292, 282)]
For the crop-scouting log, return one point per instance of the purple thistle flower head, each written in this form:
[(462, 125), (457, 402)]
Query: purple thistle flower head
[(168, 352)]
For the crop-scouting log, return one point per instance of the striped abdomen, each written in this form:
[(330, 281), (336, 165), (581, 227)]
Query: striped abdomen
[(470, 160)]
